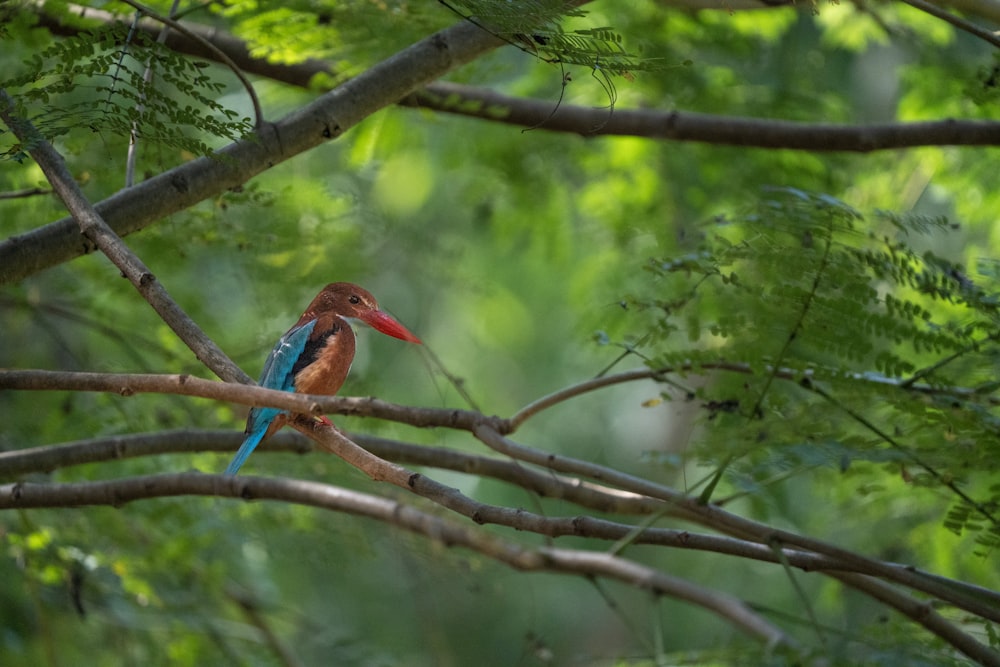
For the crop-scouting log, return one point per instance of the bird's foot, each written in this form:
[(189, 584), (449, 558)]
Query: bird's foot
[(323, 421)]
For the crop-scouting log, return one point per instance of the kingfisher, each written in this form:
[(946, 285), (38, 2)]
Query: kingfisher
[(315, 355)]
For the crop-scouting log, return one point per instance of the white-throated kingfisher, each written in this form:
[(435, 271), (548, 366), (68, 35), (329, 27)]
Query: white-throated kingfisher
[(315, 355)]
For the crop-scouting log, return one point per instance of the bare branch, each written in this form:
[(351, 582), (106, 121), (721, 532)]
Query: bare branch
[(676, 125), (632, 494), (127, 384), (566, 561), (985, 9), (574, 390), (19, 462), (118, 492), (584, 387), (48, 458)]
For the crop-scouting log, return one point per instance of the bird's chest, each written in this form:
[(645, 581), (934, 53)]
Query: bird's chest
[(326, 360)]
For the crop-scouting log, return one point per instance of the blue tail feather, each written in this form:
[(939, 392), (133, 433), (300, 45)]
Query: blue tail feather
[(277, 374), (247, 447)]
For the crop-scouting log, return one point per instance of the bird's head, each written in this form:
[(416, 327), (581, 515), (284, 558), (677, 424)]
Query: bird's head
[(350, 301)]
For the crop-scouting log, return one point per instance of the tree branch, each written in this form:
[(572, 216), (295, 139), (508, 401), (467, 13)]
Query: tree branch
[(631, 493), (26, 192), (127, 384), (564, 561), (715, 517), (673, 125), (118, 492)]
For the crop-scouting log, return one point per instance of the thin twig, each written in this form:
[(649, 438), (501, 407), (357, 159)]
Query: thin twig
[(957, 21), (883, 435), (792, 375), (147, 79), (27, 192)]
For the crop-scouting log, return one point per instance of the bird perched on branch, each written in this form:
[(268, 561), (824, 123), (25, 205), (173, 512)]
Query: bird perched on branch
[(315, 355)]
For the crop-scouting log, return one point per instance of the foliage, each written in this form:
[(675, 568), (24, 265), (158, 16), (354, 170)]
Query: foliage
[(829, 321), (775, 289), (536, 26), (97, 81)]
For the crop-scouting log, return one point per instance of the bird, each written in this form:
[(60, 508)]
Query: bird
[(315, 355)]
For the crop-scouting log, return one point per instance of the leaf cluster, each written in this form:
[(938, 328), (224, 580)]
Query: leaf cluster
[(116, 81), (854, 351), (537, 26)]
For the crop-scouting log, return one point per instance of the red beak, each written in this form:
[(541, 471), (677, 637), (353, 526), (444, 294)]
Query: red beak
[(386, 324)]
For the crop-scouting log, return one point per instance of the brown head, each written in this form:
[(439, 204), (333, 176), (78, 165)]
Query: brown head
[(350, 301)]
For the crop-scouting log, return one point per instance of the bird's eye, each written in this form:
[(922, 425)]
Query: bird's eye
[(355, 299)]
